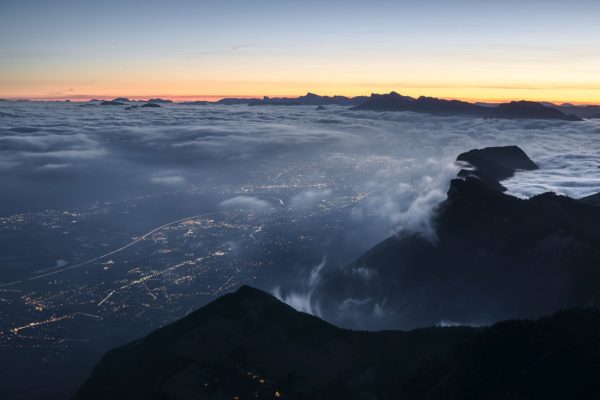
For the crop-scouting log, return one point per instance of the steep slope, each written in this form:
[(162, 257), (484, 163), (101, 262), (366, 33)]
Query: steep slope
[(495, 257), (593, 199), (248, 342), (249, 345), (552, 358)]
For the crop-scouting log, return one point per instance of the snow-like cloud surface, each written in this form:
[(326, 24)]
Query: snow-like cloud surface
[(400, 162)]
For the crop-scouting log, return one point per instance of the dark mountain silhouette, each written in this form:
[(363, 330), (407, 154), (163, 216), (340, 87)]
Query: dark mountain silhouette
[(494, 257), (431, 105), (529, 109), (250, 345), (593, 199), (590, 111), (232, 101), (387, 102), (277, 101), (160, 101), (151, 105), (194, 103), (112, 103), (551, 358), (494, 164), (310, 99)]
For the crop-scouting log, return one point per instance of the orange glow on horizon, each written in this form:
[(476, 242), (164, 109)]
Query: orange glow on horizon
[(213, 97)]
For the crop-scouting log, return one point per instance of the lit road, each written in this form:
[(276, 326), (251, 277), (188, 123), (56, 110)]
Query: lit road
[(113, 252)]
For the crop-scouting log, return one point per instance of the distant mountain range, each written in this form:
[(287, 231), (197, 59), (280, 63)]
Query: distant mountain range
[(310, 99), (590, 111), (396, 102), (431, 105), (494, 257), (249, 345), (124, 100)]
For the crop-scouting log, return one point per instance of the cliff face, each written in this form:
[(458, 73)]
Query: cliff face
[(495, 256)]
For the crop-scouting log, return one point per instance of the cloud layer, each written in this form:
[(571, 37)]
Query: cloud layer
[(384, 172), (245, 203), (400, 162)]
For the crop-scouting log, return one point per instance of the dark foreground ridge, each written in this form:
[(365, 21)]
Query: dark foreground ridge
[(431, 105), (494, 257), (250, 345)]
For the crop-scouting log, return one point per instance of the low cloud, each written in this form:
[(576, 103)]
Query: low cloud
[(574, 175), (52, 166), (384, 155), (173, 180), (246, 203), (309, 198), (302, 298)]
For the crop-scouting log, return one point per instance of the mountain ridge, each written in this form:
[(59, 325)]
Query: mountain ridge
[(424, 104), (494, 257), (248, 344), (435, 106)]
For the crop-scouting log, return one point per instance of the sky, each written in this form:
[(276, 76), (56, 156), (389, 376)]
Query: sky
[(473, 50)]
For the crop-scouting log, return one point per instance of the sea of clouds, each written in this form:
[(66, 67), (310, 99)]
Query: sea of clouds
[(60, 155)]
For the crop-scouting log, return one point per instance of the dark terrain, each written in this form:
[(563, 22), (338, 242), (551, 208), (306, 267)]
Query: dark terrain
[(396, 102), (584, 111), (493, 257), (434, 106), (250, 345), (428, 105)]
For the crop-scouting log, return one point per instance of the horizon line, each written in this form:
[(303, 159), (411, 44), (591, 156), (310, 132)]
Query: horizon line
[(215, 98)]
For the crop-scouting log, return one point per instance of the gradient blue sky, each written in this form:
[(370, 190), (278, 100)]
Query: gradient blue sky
[(479, 50)]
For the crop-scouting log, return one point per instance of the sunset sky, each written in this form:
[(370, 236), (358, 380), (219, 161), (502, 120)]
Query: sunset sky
[(473, 50)]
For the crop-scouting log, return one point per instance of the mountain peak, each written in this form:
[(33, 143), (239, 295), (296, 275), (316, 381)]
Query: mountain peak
[(531, 109), (241, 357), (436, 106), (494, 164), (249, 292)]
